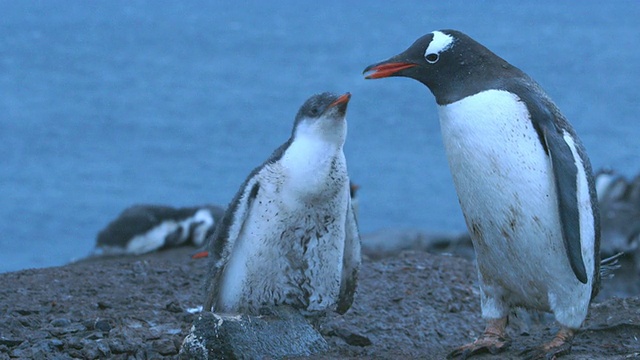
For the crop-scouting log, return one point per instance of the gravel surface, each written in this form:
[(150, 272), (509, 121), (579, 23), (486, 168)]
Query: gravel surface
[(410, 305)]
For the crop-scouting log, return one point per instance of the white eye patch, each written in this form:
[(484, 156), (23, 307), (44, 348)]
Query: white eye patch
[(441, 42)]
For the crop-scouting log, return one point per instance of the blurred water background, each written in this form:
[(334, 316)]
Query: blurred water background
[(112, 103)]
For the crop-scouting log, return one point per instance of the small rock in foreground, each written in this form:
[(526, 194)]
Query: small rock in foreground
[(286, 333)]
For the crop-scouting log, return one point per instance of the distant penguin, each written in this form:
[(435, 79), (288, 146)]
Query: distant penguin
[(523, 180), (610, 186), (289, 236), (140, 229), (619, 201)]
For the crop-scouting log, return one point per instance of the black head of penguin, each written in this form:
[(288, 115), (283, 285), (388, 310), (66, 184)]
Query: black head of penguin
[(451, 64), (323, 114)]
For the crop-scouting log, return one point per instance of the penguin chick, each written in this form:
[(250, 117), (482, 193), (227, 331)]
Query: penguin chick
[(524, 183), (289, 236)]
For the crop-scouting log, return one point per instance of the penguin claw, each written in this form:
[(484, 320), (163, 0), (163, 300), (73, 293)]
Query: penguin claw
[(490, 344)]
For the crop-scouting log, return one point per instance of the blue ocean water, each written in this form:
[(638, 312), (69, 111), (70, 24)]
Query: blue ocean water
[(108, 104)]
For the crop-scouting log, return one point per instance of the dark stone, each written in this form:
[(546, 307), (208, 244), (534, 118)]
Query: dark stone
[(71, 329), (102, 325), (173, 307), (29, 322), (62, 322), (118, 346), (10, 342), (98, 349), (351, 338), (141, 354), (94, 336), (102, 305), (36, 350), (284, 334), (20, 352), (56, 343), (103, 348), (164, 346), (90, 351), (26, 311), (75, 343), (75, 353)]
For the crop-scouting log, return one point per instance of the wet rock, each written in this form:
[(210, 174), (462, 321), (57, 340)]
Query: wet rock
[(70, 329), (29, 322), (103, 305), (286, 333), (75, 343), (98, 349), (26, 311), (94, 336), (164, 347), (42, 349), (118, 346), (403, 307), (10, 342), (350, 337), (62, 322), (102, 325), (174, 307)]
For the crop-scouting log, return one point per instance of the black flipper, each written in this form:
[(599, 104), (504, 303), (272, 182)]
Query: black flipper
[(350, 264), (222, 241), (565, 173)]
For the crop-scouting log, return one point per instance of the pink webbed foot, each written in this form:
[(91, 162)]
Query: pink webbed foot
[(560, 345), (494, 340)]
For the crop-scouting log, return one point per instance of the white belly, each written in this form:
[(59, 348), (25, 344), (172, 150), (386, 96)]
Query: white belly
[(506, 190), (287, 253)]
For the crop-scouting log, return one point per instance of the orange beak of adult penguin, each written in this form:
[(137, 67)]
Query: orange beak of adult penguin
[(386, 69)]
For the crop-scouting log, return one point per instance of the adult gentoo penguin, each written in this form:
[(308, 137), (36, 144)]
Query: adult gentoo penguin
[(524, 183), (289, 236), (143, 228)]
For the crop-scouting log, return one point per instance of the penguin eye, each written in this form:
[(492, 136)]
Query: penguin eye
[(315, 111), (432, 58)]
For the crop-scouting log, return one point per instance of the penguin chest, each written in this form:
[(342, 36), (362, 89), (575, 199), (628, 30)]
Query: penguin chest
[(289, 251), (311, 170), (506, 190)]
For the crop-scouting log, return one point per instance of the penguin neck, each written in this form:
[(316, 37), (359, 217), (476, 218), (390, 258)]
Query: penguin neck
[(308, 162)]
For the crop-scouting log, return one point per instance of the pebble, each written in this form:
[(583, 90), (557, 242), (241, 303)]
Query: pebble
[(62, 322), (102, 305), (74, 343), (56, 343), (164, 346), (10, 342), (118, 346), (70, 329), (102, 325), (173, 307), (26, 311)]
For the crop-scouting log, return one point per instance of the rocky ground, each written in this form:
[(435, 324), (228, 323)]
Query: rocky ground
[(409, 305)]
